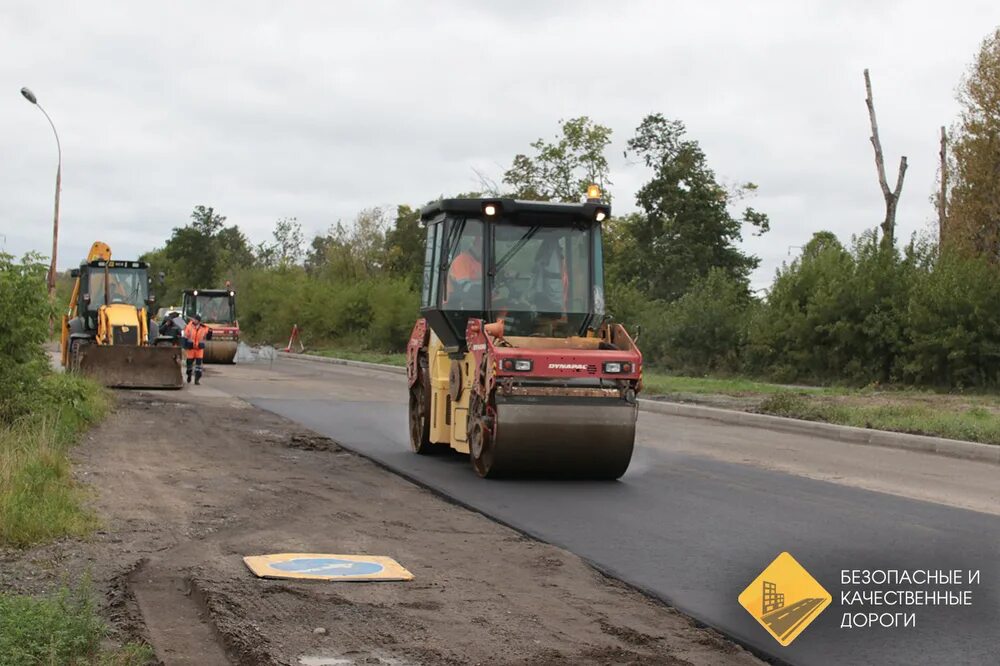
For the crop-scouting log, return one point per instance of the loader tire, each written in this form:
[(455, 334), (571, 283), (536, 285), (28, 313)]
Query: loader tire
[(74, 354)]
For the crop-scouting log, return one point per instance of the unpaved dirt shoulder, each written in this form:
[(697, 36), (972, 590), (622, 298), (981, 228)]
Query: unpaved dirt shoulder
[(187, 484)]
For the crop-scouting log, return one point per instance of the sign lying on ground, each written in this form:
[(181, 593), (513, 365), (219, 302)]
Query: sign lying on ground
[(322, 566)]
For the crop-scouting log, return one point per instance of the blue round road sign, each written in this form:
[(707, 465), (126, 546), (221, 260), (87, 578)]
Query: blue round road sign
[(327, 566)]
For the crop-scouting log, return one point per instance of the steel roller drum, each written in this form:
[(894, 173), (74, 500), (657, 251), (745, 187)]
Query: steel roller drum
[(222, 351), (559, 438)]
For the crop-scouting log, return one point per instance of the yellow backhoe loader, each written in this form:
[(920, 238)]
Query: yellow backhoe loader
[(106, 332)]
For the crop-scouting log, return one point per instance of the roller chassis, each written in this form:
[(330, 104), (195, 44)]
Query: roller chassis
[(564, 418)]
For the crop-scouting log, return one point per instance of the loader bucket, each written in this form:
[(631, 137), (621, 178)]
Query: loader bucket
[(131, 367), (222, 351)]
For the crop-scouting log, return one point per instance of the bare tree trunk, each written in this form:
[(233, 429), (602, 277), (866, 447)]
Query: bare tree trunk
[(943, 194), (891, 196)]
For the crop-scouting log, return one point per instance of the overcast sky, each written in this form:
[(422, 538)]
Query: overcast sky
[(316, 110)]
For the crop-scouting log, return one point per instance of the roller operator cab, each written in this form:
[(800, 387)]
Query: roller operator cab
[(218, 308), (106, 332), (514, 361)]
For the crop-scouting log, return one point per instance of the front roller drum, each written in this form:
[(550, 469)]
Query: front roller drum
[(588, 438), (221, 351)]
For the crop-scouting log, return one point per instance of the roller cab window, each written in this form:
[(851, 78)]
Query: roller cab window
[(542, 278)]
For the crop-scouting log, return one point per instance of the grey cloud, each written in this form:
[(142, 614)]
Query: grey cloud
[(317, 110)]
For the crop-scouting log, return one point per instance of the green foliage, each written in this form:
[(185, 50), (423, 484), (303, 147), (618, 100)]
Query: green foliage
[(953, 324), (39, 500), (562, 170), (24, 316), (685, 228), (404, 246), (63, 628), (704, 330), (351, 253), (835, 314), (395, 308), (287, 247), (200, 255), (374, 314), (973, 223)]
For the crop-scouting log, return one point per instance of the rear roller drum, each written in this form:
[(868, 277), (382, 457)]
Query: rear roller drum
[(419, 412), (480, 435)]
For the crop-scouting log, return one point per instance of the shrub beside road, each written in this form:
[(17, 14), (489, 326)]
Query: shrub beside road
[(42, 415)]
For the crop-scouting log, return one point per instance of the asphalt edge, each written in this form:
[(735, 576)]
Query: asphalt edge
[(952, 448), (697, 619)]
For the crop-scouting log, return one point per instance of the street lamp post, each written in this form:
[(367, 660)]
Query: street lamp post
[(30, 96)]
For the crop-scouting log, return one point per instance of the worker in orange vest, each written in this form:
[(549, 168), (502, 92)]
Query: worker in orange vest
[(195, 336), (465, 275)]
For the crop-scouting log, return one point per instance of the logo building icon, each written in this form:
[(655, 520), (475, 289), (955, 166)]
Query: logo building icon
[(785, 599)]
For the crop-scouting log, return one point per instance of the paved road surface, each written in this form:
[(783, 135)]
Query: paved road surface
[(705, 507), (785, 619)]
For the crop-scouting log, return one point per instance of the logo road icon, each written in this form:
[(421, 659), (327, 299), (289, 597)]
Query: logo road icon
[(785, 599)]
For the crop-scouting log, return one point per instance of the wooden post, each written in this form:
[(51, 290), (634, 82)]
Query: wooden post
[(891, 196)]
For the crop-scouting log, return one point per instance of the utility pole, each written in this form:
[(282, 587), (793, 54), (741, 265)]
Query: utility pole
[(30, 96)]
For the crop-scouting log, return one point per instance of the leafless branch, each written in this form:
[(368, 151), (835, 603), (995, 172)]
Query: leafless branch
[(891, 196), (487, 185)]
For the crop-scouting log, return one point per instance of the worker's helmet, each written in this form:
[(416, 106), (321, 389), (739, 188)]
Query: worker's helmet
[(196, 316)]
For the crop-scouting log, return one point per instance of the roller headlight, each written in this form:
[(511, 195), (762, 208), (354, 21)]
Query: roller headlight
[(517, 364)]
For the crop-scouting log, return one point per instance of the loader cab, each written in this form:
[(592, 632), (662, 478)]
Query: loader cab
[(112, 283), (537, 266)]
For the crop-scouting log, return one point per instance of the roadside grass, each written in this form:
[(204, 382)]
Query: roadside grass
[(39, 500), (658, 383), (973, 417), (360, 355), (61, 629)]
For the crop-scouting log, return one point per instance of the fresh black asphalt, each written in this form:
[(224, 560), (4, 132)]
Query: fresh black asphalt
[(694, 532)]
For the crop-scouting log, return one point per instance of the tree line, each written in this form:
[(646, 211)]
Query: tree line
[(858, 310)]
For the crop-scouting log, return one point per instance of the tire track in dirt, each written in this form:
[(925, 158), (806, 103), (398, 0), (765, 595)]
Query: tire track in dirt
[(177, 617), (187, 484)]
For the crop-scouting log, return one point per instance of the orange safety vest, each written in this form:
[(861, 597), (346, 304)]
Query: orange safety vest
[(464, 267), (196, 334)]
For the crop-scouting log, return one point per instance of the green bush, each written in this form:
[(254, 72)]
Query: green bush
[(39, 499), (24, 319), (63, 628), (373, 314), (704, 331), (396, 307), (953, 324), (836, 314)]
